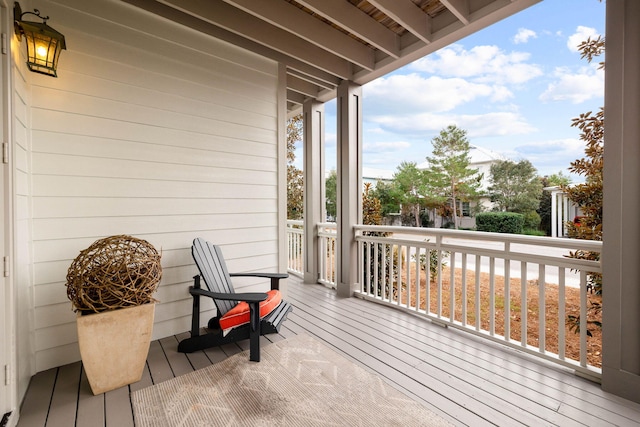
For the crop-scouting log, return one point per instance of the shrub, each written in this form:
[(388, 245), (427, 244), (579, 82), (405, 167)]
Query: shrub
[(531, 220), (433, 262), (500, 222)]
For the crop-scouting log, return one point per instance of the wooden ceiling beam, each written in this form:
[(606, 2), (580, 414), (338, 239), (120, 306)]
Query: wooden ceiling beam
[(232, 19), (296, 21), (347, 16), (407, 14), (295, 97), (320, 83), (460, 8), (302, 86)]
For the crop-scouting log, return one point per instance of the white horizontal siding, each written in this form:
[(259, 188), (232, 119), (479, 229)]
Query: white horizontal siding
[(151, 130), (22, 213)]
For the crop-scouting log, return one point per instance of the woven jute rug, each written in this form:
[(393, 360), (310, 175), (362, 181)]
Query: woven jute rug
[(298, 382)]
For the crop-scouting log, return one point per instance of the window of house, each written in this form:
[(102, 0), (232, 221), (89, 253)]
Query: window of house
[(466, 209)]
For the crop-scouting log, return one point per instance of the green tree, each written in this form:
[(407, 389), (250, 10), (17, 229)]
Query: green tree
[(515, 187), (331, 194), (449, 164), (371, 207), (295, 177), (384, 192), (408, 182)]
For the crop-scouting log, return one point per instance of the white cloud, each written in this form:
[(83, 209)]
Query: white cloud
[(524, 35), (384, 147), (581, 35), (585, 84), (483, 64), (495, 124), (480, 125), (552, 155), (552, 147), (501, 94), (433, 94)]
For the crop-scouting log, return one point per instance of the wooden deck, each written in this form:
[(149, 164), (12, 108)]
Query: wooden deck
[(464, 379)]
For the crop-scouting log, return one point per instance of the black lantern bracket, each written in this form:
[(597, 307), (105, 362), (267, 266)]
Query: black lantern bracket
[(44, 44)]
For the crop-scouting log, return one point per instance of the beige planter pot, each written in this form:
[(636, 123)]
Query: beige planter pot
[(114, 346)]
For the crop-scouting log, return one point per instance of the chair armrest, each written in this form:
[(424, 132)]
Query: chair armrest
[(264, 275), (275, 277), (248, 297)]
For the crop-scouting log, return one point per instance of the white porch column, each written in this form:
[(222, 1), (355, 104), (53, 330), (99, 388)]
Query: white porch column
[(621, 239), (349, 184), (314, 185)]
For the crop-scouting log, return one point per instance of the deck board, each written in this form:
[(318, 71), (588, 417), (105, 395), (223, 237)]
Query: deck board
[(463, 378), (90, 407), (575, 395), (35, 407), (64, 402), (118, 410)]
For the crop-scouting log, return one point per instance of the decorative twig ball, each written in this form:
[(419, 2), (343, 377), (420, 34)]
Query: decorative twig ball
[(114, 272)]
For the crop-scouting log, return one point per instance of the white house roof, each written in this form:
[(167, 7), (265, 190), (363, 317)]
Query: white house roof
[(484, 155), (376, 174)]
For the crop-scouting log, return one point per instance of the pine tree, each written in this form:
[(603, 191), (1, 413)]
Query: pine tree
[(450, 164)]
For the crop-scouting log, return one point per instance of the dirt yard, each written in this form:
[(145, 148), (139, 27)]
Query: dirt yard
[(551, 304)]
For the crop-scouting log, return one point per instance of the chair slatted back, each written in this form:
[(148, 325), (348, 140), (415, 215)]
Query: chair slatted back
[(213, 269)]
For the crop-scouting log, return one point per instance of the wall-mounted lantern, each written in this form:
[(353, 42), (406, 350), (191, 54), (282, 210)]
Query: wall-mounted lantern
[(44, 44)]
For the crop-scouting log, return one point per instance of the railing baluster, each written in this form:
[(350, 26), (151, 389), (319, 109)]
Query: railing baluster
[(463, 300), (477, 302), (452, 287), (541, 309), (407, 287), (492, 296), (383, 269), (399, 264), (427, 285), (583, 318), (439, 290), (324, 254), (561, 312), (507, 293), (332, 269), (524, 310), (418, 286), (371, 268)]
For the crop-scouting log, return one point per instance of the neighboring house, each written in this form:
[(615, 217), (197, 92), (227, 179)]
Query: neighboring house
[(481, 159), (562, 211), (373, 175)]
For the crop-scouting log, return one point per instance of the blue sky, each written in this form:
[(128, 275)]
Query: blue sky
[(514, 87)]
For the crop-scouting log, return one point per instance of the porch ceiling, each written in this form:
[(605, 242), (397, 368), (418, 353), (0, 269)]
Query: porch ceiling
[(323, 42)]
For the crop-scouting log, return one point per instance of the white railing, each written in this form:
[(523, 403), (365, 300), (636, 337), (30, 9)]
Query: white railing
[(487, 284), (295, 247), (327, 245), (327, 232), (487, 267)]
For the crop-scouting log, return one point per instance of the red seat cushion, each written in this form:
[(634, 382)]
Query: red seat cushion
[(239, 315)]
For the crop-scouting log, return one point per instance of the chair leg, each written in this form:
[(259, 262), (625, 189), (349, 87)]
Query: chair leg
[(254, 333), (195, 311)]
